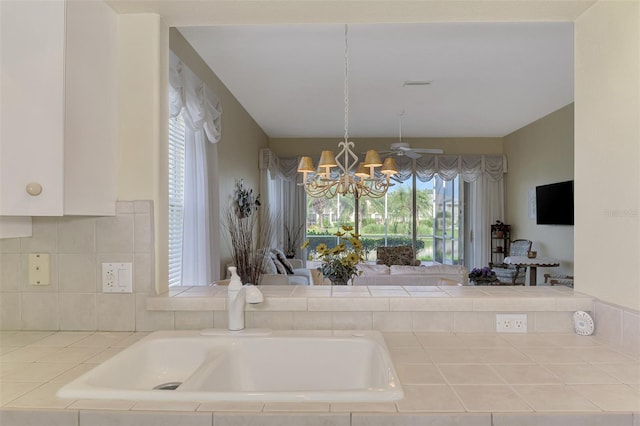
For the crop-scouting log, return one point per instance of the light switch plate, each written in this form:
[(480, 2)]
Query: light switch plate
[(117, 278), (39, 269)]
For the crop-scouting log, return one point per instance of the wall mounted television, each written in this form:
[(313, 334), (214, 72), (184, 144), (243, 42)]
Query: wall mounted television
[(554, 204)]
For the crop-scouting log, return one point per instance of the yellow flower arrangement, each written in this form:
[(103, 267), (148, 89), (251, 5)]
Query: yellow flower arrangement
[(339, 264)]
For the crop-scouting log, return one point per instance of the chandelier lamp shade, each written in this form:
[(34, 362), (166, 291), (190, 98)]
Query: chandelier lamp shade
[(350, 177)]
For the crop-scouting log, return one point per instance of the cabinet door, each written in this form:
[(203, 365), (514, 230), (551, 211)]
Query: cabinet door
[(32, 106)]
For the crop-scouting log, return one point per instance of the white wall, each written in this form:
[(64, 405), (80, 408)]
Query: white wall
[(607, 152), (538, 154)]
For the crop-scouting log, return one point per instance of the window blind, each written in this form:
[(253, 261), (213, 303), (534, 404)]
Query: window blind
[(176, 198)]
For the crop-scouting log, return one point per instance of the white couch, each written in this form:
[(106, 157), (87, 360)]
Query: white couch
[(431, 273), (300, 276)]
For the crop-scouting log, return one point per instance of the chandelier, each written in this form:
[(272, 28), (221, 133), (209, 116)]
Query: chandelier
[(347, 179)]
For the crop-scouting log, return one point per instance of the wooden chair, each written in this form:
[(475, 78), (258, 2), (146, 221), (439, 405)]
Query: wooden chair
[(513, 274)]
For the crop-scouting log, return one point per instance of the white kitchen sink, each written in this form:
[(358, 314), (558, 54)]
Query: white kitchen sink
[(245, 366)]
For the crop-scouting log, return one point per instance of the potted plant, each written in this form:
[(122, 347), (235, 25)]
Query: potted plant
[(339, 264), (292, 241), (500, 228), (482, 275), (249, 234)]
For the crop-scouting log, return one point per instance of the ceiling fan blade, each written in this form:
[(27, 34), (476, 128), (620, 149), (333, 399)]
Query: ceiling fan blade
[(412, 154), (428, 150)]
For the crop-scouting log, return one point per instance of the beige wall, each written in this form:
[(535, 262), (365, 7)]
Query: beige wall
[(289, 147), (538, 154), (139, 57), (242, 138), (142, 132), (607, 152)]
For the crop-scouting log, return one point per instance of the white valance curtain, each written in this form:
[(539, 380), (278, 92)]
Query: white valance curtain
[(194, 99), (201, 110), (468, 167)]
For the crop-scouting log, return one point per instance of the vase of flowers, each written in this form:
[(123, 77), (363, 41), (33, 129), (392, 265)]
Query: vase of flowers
[(482, 276), (250, 233), (339, 264)]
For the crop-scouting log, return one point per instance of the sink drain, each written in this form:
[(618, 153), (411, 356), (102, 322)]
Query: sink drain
[(168, 386)]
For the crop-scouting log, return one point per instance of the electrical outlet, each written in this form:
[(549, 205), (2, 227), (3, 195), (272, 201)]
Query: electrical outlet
[(117, 278), (511, 323)]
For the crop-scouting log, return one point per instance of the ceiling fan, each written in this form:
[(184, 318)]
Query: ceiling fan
[(404, 149)]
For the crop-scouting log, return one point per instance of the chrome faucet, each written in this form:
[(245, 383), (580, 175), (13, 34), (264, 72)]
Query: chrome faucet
[(237, 296)]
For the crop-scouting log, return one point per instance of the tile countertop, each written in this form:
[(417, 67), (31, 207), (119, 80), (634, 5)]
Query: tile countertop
[(393, 298), (489, 379)]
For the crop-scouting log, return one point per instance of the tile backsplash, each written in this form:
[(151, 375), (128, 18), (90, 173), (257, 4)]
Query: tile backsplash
[(77, 246)]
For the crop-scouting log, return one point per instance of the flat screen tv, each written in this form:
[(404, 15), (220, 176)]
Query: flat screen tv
[(554, 204)]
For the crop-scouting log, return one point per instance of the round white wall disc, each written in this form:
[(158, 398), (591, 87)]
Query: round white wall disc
[(583, 323)]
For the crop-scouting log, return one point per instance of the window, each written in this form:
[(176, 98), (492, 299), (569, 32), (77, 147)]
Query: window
[(176, 154), (389, 220)]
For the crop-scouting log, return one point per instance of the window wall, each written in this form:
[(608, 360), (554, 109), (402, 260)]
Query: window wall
[(426, 215)]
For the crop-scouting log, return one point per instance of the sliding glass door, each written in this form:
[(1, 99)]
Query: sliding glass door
[(447, 223)]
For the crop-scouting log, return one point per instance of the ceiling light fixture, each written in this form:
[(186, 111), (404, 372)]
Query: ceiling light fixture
[(360, 181)]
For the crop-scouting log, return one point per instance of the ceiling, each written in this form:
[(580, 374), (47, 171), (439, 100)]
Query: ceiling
[(487, 79)]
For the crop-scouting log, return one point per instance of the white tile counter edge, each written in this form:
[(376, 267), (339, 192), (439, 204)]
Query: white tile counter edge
[(381, 299)]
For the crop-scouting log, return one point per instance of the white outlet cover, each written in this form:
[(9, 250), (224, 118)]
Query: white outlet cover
[(39, 269), (511, 323), (117, 278)]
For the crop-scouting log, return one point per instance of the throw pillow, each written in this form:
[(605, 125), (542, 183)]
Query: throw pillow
[(283, 259), (270, 266), (279, 266)]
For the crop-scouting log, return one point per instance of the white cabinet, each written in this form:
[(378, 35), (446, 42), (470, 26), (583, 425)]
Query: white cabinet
[(58, 109)]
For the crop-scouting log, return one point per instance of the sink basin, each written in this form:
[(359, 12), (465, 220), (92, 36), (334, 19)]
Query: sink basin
[(245, 366)]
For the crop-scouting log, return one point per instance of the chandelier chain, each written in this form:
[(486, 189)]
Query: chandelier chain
[(346, 82), (360, 181)]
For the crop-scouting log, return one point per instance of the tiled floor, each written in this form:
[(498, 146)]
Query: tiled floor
[(440, 373)]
